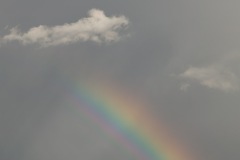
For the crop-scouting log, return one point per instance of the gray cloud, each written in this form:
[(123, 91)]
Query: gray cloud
[(184, 87), (38, 122), (97, 28)]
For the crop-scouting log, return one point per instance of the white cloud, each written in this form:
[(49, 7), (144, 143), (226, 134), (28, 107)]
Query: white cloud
[(97, 27), (213, 77)]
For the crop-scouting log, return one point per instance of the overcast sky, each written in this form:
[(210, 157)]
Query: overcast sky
[(181, 55)]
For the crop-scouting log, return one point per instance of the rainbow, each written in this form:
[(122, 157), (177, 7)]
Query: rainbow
[(126, 118)]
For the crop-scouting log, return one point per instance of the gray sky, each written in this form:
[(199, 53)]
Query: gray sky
[(181, 55)]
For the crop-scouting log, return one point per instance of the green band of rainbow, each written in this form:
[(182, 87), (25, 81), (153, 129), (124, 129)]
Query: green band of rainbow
[(127, 120)]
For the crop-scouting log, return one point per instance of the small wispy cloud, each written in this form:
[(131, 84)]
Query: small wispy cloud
[(184, 87), (97, 27), (212, 77)]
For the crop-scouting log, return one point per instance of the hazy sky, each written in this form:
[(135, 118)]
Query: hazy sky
[(181, 55)]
